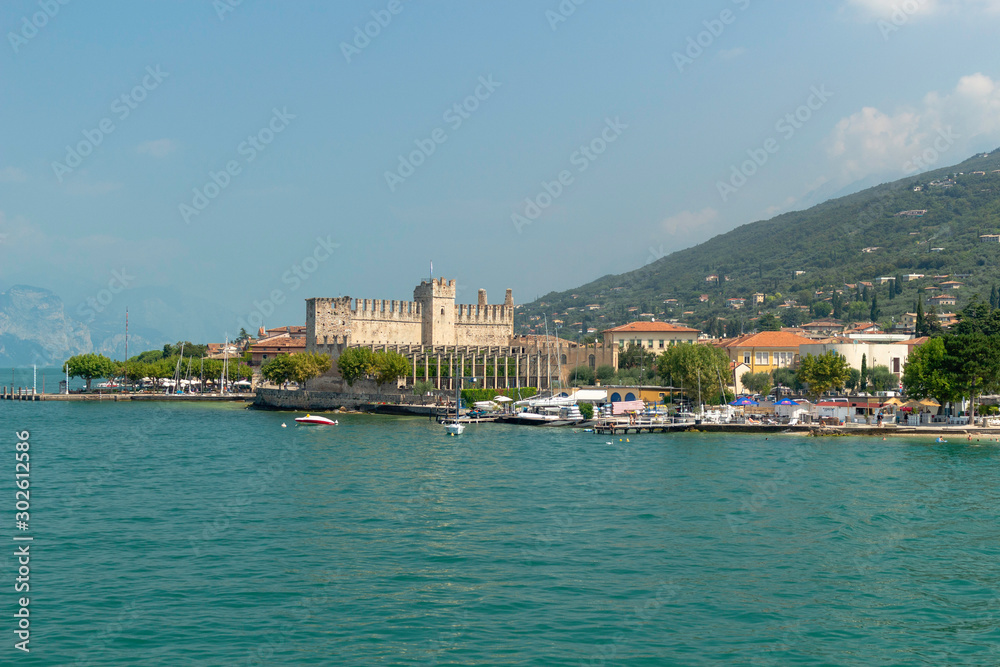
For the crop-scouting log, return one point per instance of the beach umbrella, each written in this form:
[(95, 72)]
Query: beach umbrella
[(893, 401), (929, 403), (743, 401), (786, 401)]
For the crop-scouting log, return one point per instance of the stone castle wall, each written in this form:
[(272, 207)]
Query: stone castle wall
[(432, 318)]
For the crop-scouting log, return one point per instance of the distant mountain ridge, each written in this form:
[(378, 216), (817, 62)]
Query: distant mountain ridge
[(859, 237)]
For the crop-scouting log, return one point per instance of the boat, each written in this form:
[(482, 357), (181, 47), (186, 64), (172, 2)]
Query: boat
[(456, 427), (552, 411), (313, 419)]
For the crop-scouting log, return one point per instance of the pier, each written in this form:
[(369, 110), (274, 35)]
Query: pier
[(27, 394)]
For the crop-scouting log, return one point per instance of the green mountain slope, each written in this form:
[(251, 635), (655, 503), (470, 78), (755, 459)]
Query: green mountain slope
[(807, 255)]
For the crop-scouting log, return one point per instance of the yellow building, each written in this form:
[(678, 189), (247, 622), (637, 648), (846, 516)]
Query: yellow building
[(766, 351), (654, 336)]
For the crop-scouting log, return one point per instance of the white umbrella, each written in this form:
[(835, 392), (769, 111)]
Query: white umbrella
[(502, 399)]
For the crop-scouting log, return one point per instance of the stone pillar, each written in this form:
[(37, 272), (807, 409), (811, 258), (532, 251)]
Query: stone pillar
[(506, 373), (439, 371), (451, 371), (496, 372), (414, 357), (427, 367), (538, 370)]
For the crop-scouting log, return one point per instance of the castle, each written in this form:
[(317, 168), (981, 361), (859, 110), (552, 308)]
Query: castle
[(431, 319)]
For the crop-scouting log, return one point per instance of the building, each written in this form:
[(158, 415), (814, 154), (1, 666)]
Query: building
[(989, 238), (757, 298), (432, 318), (822, 327), (766, 351), (941, 300), (887, 354), (655, 336), (950, 285), (910, 277), (263, 351)]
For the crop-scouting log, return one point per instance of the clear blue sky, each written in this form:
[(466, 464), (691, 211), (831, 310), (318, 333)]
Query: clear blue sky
[(887, 86)]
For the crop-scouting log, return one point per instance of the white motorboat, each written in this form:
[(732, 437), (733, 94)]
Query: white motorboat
[(313, 419), (454, 428)]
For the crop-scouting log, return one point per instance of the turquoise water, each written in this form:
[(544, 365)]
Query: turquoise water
[(209, 535)]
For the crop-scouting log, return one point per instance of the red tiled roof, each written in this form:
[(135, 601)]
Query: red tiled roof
[(651, 327), (771, 339), (282, 342)]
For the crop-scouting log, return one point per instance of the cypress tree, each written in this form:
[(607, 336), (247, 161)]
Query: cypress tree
[(994, 299), (921, 324)]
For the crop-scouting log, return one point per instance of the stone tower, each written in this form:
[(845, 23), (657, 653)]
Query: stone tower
[(437, 307)]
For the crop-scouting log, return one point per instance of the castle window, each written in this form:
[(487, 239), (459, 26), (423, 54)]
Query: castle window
[(442, 311), (562, 358), (593, 361)]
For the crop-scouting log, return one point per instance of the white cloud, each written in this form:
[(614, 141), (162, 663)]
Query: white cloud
[(886, 9), (12, 175), (157, 148), (908, 140)]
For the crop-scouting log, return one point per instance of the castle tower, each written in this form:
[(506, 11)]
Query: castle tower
[(437, 308), (509, 299), (482, 297)]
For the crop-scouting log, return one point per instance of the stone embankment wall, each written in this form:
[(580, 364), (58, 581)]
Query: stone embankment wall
[(315, 401)]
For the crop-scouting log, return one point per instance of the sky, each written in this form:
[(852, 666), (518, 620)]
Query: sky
[(237, 157)]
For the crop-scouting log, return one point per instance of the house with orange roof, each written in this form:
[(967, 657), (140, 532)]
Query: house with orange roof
[(654, 336), (265, 350), (765, 351)]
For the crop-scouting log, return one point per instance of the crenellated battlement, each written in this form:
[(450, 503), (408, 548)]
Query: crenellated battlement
[(432, 318)]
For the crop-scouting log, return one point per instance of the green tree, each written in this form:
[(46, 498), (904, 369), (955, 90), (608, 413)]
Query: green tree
[(421, 387), (925, 373), (355, 363), (88, 367), (823, 373), (853, 379), (822, 309), (389, 366), (880, 378), (587, 410), (786, 377), (920, 327), (875, 311), (636, 356), (792, 317), (769, 323), (278, 370), (582, 375), (757, 383), (994, 298), (694, 366), (863, 382), (605, 372)]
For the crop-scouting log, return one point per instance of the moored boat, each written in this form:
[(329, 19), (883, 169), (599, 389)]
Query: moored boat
[(314, 419)]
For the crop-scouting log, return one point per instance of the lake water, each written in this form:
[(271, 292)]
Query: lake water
[(210, 535)]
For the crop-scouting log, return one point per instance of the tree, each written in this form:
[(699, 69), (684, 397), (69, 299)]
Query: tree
[(636, 356), (822, 309), (355, 363), (694, 366), (824, 372), (786, 377), (874, 313), (605, 372), (88, 367), (582, 375), (757, 383), (769, 323), (791, 317), (920, 327), (421, 387), (863, 382), (389, 366), (587, 410), (881, 379), (994, 298), (853, 379), (838, 305), (307, 365), (278, 370), (925, 375)]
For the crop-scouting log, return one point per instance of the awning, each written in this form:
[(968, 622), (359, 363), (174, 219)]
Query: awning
[(591, 395), (627, 406)]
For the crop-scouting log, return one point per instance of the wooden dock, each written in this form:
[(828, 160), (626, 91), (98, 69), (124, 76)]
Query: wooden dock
[(25, 394)]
